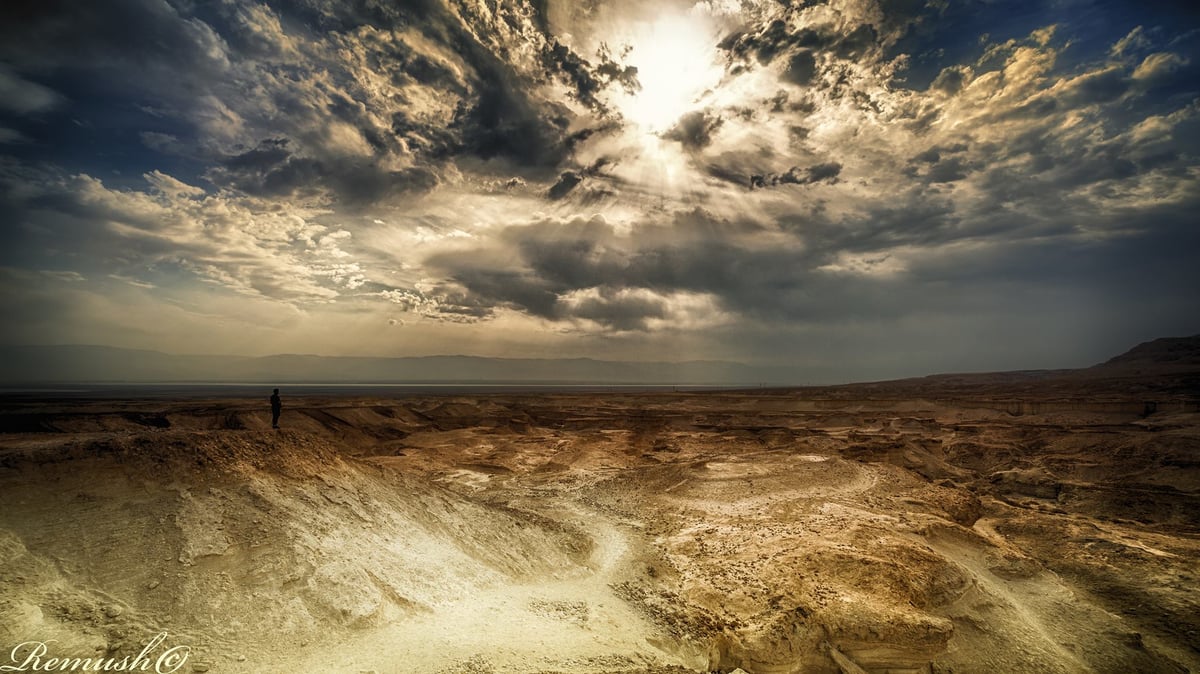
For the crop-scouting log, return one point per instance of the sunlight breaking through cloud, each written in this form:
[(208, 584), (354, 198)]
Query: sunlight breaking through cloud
[(765, 178)]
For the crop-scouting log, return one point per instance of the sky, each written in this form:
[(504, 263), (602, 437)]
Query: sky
[(854, 188)]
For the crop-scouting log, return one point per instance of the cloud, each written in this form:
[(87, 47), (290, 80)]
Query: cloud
[(587, 270), (170, 187), (355, 104), (68, 276), (986, 175), (640, 310), (23, 97), (801, 67), (11, 136), (271, 169), (177, 229), (567, 181), (877, 265), (588, 81), (464, 168), (942, 164), (952, 79), (584, 272), (1158, 67), (825, 172), (1135, 41), (444, 305), (164, 143), (694, 130)]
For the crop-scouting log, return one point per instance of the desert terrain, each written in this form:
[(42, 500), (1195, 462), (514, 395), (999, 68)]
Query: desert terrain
[(1019, 522)]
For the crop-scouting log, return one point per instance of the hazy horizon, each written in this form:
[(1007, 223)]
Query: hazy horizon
[(39, 366), (849, 190)]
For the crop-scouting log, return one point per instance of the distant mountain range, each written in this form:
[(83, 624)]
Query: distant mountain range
[(102, 364), (1168, 352), (28, 365), (1162, 368)]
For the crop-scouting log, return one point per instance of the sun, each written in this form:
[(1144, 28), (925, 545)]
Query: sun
[(677, 62)]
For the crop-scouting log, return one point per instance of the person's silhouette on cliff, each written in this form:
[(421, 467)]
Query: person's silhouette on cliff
[(276, 408)]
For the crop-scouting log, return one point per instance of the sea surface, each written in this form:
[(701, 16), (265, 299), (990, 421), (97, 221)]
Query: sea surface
[(240, 390)]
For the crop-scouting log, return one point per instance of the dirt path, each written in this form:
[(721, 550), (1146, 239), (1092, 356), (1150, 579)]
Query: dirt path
[(574, 623)]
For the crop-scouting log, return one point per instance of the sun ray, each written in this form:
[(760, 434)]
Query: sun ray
[(677, 62)]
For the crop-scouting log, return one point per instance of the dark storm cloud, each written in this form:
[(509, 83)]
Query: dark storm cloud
[(577, 71), (569, 180), (825, 172), (588, 81), (944, 164), (951, 79), (741, 168), (631, 275), (446, 305), (729, 175), (694, 130), (800, 41), (507, 288), (353, 87), (610, 70), (505, 123), (628, 285), (272, 170), (1099, 87), (918, 217), (780, 36), (810, 281), (802, 67), (814, 174), (566, 182), (498, 117), (619, 312)]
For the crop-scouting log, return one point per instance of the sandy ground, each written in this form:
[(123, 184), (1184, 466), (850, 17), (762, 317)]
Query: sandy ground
[(655, 533)]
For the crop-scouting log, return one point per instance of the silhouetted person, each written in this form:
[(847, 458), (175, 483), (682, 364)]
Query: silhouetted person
[(276, 408)]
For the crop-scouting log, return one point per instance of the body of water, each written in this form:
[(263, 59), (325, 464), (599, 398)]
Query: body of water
[(238, 390)]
